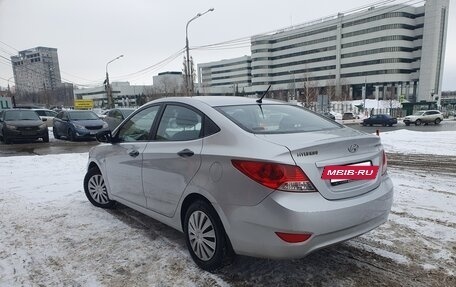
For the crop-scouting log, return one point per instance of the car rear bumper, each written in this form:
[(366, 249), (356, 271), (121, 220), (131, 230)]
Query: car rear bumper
[(251, 229)]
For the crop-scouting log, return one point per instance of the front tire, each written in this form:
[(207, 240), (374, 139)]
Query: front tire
[(418, 123), (6, 140), (71, 135), (56, 134), (96, 190), (437, 121), (46, 138), (205, 237)]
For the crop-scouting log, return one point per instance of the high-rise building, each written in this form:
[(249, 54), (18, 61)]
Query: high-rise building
[(36, 70), (384, 51)]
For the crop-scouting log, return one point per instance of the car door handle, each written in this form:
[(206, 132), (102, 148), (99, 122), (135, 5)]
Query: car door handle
[(186, 153), (133, 153)]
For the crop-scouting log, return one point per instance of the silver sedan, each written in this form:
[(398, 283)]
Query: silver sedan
[(241, 176)]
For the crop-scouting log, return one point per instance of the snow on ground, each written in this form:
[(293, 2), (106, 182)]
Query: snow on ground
[(413, 142), (52, 236)]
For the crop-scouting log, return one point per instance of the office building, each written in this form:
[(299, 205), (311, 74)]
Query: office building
[(384, 51), (36, 70), (225, 77)]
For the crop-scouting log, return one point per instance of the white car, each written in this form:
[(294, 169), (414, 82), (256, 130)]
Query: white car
[(46, 115), (420, 117)]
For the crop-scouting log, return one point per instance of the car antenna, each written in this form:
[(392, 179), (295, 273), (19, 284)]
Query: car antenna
[(260, 100)]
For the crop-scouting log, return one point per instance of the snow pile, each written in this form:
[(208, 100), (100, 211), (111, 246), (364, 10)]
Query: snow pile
[(413, 142)]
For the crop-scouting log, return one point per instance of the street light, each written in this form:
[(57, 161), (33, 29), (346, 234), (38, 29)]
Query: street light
[(108, 87), (188, 70)]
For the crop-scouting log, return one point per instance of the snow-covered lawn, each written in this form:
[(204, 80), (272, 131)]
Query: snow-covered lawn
[(50, 235)]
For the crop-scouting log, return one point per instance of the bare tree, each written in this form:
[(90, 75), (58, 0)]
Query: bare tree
[(330, 89), (309, 90)]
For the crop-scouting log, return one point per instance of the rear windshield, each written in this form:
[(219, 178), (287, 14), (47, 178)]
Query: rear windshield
[(276, 119), (83, 115), (21, 115)]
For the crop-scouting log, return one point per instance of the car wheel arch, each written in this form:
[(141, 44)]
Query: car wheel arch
[(93, 165), (189, 199)]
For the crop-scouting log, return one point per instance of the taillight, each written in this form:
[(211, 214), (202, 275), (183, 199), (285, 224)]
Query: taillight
[(384, 163), (276, 176)]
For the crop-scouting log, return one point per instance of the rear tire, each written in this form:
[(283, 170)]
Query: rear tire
[(205, 237), (96, 190)]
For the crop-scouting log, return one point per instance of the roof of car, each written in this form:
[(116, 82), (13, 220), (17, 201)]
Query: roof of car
[(215, 101)]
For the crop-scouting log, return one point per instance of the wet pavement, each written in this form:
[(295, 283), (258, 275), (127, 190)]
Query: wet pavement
[(56, 146)]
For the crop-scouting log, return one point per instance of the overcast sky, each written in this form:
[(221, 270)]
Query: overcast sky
[(89, 33)]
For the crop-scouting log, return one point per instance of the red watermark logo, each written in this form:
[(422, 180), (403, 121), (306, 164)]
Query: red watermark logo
[(350, 172)]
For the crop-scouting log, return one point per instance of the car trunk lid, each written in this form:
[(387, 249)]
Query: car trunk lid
[(313, 151)]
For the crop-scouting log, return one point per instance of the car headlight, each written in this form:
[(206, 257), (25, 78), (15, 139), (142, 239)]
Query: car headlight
[(79, 127), (42, 126), (105, 125), (10, 127)]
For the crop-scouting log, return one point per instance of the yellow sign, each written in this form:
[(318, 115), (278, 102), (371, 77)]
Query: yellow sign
[(83, 104)]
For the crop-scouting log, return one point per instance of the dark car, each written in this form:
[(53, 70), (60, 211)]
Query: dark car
[(349, 116), (382, 119), (75, 124), (115, 116), (20, 124)]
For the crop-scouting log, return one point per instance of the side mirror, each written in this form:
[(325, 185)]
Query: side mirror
[(44, 119), (104, 137)]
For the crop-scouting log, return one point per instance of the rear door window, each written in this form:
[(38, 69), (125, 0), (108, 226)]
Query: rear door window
[(275, 119)]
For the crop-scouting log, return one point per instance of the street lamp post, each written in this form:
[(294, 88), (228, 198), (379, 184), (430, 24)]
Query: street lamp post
[(108, 86), (188, 69)]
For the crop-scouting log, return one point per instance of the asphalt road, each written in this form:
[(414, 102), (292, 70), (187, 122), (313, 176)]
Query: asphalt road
[(63, 146), (446, 125)]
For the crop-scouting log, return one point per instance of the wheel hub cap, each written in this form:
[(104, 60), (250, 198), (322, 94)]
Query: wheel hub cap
[(201, 235)]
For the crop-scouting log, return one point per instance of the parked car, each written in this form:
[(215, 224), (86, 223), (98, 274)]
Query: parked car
[(115, 116), (349, 116), (381, 119), (229, 171), (424, 117), (75, 124), (20, 124), (329, 115), (46, 115)]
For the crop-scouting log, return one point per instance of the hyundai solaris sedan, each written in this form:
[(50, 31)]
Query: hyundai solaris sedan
[(241, 176)]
